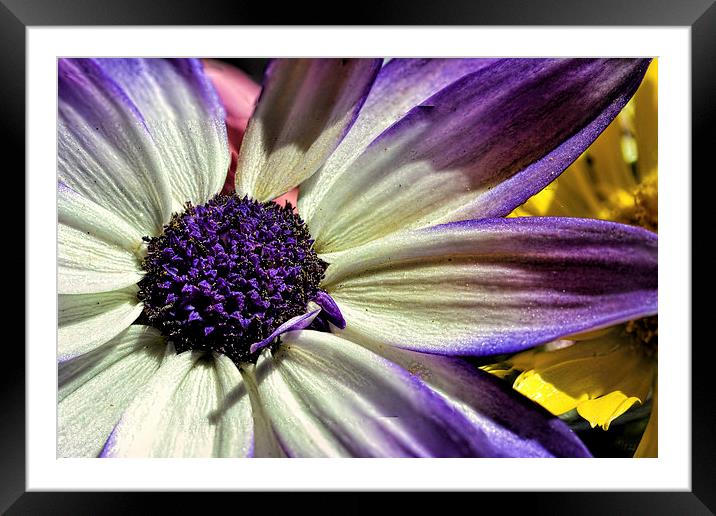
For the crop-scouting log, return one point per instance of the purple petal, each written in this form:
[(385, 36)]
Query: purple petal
[(494, 286), (137, 76), (517, 427), (305, 109), (478, 148), (400, 85), (330, 309), (295, 323)]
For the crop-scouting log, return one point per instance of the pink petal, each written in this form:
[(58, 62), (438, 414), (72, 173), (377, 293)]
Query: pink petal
[(238, 92), (290, 196)]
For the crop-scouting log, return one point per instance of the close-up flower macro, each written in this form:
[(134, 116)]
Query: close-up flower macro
[(357, 257)]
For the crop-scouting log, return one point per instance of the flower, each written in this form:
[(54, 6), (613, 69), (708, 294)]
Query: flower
[(192, 324), (603, 375)]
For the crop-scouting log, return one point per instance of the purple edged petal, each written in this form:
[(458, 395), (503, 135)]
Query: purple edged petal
[(400, 85), (185, 117), (105, 151), (295, 323), (493, 286), (476, 149), (305, 109), (327, 396), (517, 427)]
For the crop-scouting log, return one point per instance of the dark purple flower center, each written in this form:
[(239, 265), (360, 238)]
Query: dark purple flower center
[(224, 275)]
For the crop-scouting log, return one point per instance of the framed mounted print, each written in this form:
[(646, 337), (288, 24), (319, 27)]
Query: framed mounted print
[(263, 260)]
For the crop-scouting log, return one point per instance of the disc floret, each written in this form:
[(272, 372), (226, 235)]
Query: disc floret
[(225, 274)]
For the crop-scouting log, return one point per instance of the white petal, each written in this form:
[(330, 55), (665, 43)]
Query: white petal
[(97, 250), (138, 431), (80, 213), (94, 393), (235, 427), (74, 373), (194, 406), (327, 396), (291, 417), (476, 149), (185, 118), (492, 286), (511, 424), (86, 321), (86, 264), (105, 150), (265, 442), (305, 108)]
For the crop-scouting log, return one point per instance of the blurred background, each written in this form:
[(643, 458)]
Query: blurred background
[(253, 67)]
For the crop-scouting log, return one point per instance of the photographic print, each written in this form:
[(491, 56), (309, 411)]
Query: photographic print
[(360, 257)]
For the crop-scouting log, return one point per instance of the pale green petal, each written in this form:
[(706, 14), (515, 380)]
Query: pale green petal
[(86, 321)]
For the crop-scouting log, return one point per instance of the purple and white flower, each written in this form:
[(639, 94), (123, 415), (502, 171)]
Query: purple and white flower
[(192, 324)]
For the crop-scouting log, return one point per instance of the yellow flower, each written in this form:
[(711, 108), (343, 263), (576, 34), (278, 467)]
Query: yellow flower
[(602, 375)]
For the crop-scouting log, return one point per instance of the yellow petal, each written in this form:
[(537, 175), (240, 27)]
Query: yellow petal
[(537, 358), (547, 394), (601, 377), (601, 181), (646, 121), (499, 370), (588, 335), (540, 204), (571, 195), (605, 409), (649, 444), (646, 206), (500, 373), (611, 171)]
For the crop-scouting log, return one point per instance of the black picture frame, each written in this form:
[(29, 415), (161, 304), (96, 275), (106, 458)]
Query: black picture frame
[(17, 15)]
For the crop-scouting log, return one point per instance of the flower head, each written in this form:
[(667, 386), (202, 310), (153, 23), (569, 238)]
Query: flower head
[(225, 275), (197, 325)]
